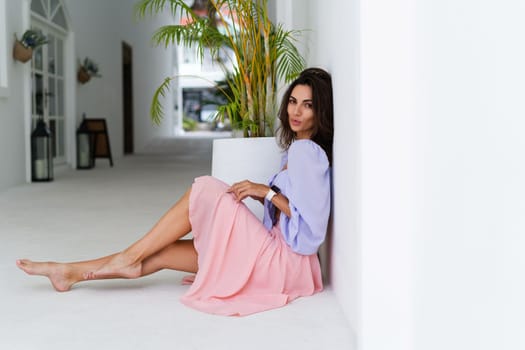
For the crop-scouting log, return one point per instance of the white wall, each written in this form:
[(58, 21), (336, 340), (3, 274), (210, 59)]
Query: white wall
[(342, 60), (100, 27), (469, 244), (330, 40), (12, 118), (151, 65), (389, 174), (441, 174), (324, 25), (428, 169)]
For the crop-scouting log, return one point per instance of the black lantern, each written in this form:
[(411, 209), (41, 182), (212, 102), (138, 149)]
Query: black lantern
[(41, 155), (84, 146)]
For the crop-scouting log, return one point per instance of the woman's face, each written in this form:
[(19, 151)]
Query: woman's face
[(300, 111)]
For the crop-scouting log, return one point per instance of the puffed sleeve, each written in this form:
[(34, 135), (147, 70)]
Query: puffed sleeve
[(308, 193)]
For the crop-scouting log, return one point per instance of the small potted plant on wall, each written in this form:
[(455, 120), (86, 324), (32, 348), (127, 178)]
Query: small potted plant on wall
[(88, 68), (31, 39)]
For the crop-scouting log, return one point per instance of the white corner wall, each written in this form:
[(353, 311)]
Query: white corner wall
[(333, 43), (470, 237), (330, 40), (441, 175), (388, 174), (428, 168)]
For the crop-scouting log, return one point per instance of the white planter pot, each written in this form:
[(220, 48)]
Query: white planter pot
[(255, 159)]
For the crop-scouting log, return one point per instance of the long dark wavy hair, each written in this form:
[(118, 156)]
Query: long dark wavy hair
[(320, 82)]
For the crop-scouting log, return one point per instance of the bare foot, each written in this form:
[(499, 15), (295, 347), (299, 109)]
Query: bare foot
[(120, 266), (60, 275)]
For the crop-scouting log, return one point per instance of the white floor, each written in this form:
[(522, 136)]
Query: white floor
[(86, 214)]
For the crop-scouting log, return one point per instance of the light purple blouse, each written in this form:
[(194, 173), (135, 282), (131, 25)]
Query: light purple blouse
[(306, 184)]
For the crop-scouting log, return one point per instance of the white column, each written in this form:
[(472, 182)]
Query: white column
[(3, 51), (26, 88), (388, 173), (70, 98)]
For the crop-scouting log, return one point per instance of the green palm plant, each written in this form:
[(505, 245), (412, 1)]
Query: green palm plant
[(261, 53)]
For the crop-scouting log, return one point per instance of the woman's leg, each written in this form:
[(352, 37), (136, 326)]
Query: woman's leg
[(180, 255), (62, 275), (128, 263)]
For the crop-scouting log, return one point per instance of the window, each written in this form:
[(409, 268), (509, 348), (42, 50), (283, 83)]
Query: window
[(51, 10)]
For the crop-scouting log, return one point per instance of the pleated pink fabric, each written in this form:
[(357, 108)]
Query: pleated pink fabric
[(243, 268)]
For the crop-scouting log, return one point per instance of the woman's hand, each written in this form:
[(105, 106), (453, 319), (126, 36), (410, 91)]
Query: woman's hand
[(246, 188)]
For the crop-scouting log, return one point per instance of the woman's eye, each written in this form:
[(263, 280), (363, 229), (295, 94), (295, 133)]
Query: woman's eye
[(291, 101), (308, 105)]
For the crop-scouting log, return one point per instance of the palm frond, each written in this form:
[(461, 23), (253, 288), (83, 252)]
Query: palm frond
[(170, 34), (151, 7), (289, 62), (156, 110)]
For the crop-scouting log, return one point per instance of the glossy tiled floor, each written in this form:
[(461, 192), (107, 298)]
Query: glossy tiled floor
[(85, 214)]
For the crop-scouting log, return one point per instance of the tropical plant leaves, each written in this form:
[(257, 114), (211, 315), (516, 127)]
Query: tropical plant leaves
[(262, 54), (156, 110)]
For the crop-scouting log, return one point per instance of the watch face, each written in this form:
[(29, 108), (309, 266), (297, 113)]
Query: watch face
[(276, 189)]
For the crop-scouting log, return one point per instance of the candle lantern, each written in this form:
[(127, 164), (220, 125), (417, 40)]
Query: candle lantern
[(84, 146), (41, 155)]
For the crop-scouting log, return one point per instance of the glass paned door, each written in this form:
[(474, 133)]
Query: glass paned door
[(47, 74)]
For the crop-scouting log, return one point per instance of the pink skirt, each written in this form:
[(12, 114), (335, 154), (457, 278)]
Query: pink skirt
[(243, 268)]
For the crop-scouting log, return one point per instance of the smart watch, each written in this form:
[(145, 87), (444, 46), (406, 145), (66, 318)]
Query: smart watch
[(272, 192)]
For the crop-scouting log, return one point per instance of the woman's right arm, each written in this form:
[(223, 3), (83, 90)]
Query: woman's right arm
[(281, 202)]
